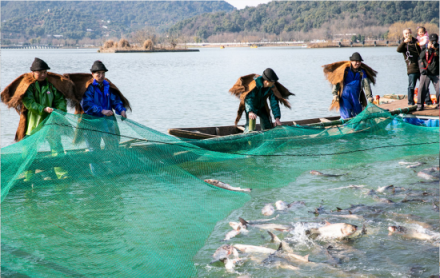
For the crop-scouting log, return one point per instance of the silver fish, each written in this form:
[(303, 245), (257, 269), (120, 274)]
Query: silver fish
[(268, 209), (230, 263), (224, 251), (283, 265), (280, 205), (232, 234), (317, 173), (338, 230), (350, 186), (409, 233), (259, 221), (383, 188), (226, 186), (269, 226), (291, 257), (383, 200), (253, 249)]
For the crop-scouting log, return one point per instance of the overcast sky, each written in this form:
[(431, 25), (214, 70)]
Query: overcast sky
[(241, 4)]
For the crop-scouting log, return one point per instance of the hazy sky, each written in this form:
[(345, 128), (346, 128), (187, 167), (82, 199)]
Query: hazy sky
[(241, 4)]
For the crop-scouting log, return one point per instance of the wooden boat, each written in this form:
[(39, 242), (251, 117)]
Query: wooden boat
[(395, 107), (218, 131)]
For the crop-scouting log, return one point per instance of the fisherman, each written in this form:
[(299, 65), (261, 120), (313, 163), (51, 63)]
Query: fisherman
[(429, 70), (253, 91), (99, 98), (351, 85), (35, 96)]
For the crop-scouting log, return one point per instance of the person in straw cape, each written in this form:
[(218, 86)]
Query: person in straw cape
[(253, 91), (351, 85), (34, 96), (99, 98)]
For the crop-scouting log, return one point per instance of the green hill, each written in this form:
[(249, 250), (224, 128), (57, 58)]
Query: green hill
[(72, 18), (278, 16)]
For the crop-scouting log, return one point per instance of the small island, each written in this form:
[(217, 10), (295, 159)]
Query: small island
[(123, 46)]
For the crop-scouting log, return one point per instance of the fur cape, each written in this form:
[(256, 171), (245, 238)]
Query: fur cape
[(82, 81), (335, 74), (245, 84), (13, 94)]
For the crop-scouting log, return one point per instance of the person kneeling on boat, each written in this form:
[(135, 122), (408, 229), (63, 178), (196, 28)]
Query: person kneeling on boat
[(99, 99), (253, 91), (35, 95), (351, 85)]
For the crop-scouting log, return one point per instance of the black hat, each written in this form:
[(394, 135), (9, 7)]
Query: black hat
[(98, 66), (270, 75), (39, 64), (433, 37), (356, 57)]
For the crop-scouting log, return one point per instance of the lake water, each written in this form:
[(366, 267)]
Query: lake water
[(169, 90)]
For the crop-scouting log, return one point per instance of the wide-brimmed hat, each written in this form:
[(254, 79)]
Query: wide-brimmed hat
[(39, 64), (270, 75), (356, 57), (98, 66), (433, 37)]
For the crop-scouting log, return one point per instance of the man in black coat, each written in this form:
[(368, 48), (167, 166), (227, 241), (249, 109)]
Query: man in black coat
[(429, 62), (411, 51)]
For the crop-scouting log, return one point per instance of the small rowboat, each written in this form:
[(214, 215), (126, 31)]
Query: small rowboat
[(218, 131), (397, 107)]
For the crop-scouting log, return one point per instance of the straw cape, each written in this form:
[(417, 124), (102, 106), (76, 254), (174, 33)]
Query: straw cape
[(246, 84), (13, 94), (82, 81), (335, 74)]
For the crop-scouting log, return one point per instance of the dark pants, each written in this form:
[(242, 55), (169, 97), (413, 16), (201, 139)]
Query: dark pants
[(423, 88), (412, 81), (265, 122)]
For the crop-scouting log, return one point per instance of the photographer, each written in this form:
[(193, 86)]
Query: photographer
[(411, 51), (429, 61)]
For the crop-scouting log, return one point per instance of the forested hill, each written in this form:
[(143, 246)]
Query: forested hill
[(73, 18), (278, 16)]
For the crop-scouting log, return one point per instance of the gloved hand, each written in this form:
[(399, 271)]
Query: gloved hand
[(370, 100), (336, 98)]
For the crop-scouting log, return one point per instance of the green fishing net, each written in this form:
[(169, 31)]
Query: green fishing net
[(136, 204)]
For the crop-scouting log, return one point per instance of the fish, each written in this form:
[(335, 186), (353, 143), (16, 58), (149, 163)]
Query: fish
[(383, 188), (253, 249), (283, 265), (435, 207), (232, 234), (338, 230), (230, 263), (349, 216), (238, 226), (425, 176), (268, 209), (226, 186), (259, 221), (410, 219), (428, 173), (317, 173), (280, 205), (290, 256), (350, 186), (224, 251), (383, 200), (274, 238), (409, 233), (268, 226), (411, 164)]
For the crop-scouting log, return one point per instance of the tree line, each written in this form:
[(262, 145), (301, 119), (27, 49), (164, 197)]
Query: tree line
[(280, 17)]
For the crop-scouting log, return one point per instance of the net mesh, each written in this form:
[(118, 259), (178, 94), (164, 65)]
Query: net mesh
[(85, 196)]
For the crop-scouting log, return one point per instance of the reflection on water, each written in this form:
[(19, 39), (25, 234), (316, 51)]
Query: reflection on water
[(169, 90)]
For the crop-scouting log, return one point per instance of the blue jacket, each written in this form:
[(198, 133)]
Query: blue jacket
[(95, 100), (255, 101)]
